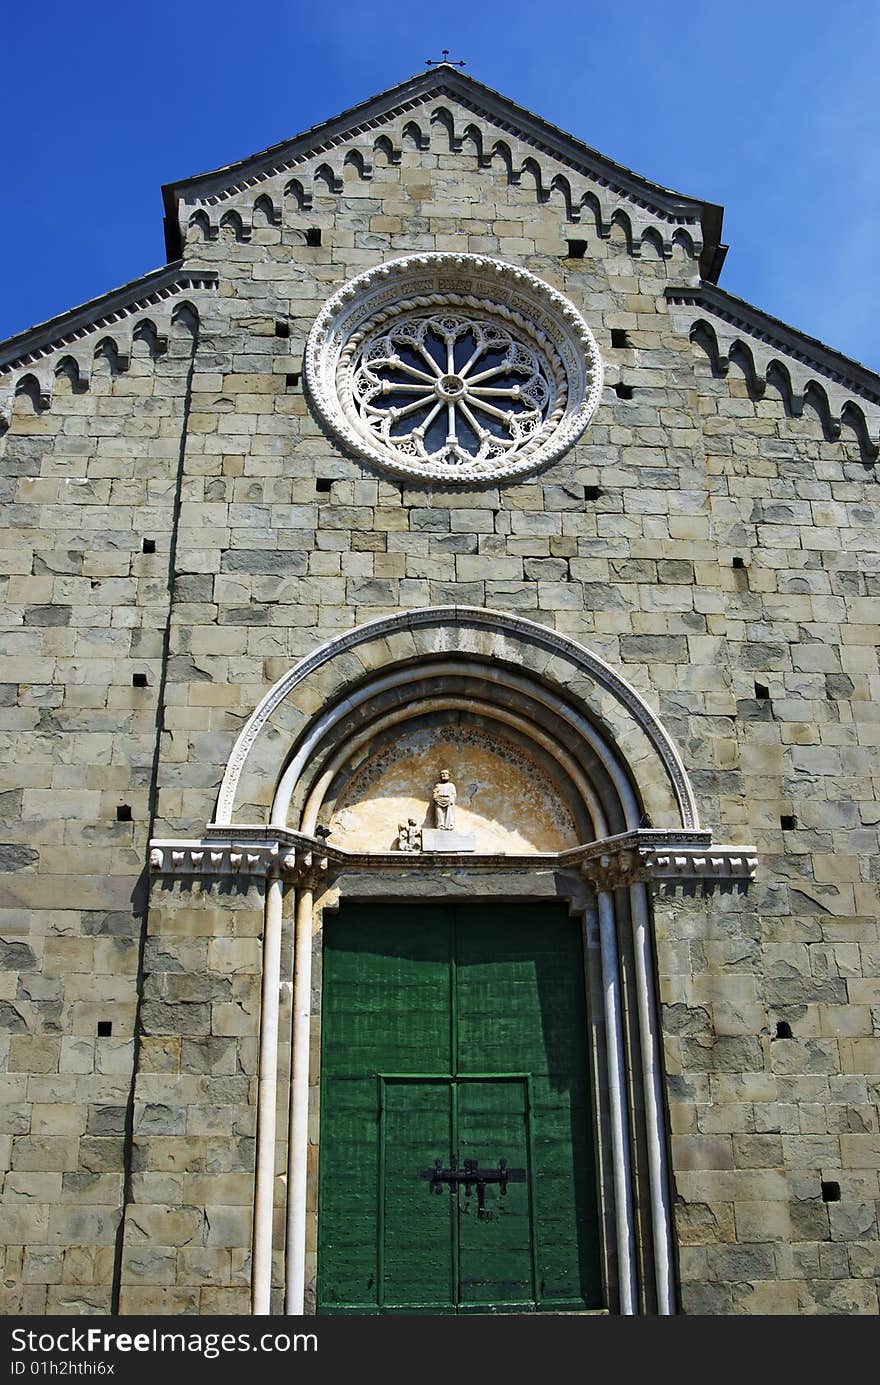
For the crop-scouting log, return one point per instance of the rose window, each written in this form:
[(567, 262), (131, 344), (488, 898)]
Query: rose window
[(451, 390), (453, 368)]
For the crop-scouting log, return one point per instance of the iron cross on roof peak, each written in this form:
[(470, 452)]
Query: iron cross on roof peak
[(444, 61)]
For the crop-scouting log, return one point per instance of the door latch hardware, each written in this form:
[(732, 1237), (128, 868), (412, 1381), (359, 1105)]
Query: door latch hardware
[(471, 1175)]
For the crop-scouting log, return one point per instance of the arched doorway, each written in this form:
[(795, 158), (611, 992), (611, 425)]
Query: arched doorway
[(571, 799)]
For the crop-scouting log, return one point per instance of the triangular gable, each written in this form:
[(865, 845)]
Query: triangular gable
[(447, 83), (724, 325)]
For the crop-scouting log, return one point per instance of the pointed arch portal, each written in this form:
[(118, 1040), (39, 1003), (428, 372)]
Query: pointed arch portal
[(564, 766)]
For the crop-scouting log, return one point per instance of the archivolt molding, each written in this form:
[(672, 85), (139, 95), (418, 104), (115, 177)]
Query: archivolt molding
[(446, 628), (770, 354), (346, 753)]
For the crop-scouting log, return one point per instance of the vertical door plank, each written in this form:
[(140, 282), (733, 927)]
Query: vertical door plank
[(495, 1250)]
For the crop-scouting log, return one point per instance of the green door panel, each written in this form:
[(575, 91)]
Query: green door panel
[(496, 1254), (455, 1032), (416, 1250)]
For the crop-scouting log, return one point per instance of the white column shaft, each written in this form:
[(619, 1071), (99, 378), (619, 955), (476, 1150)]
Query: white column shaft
[(649, 1036), (261, 1285), (617, 1102), (298, 1137)]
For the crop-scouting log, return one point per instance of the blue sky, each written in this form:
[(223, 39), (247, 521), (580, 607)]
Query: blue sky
[(767, 108)]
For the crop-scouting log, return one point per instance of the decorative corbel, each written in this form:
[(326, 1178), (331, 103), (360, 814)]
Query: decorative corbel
[(250, 852)]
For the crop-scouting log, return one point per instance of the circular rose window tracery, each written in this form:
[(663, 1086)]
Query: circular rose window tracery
[(453, 368), (451, 390)]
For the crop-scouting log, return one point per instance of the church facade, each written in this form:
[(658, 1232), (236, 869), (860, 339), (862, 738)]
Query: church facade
[(440, 699)]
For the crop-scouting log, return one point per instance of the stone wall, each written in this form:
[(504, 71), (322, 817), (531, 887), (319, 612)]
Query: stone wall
[(88, 481), (761, 1122), (765, 674), (188, 1223)]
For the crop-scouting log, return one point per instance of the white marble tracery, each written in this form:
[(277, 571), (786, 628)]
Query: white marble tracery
[(453, 368), (452, 389)]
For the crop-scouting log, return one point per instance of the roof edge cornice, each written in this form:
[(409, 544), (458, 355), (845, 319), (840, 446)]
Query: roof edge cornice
[(440, 81), (104, 311), (843, 370)]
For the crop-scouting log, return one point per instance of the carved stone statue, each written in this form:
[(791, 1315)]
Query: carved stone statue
[(444, 797), (409, 836)]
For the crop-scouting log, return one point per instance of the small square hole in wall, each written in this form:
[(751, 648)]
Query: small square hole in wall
[(323, 485), (623, 391), (313, 235), (591, 492), (123, 812), (761, 692), (149, 545), (788, 822), (619, 339), (105, 1029), (291, 380), (282, 328), (830, 1192), (576, 249), (739, 563), (783, 1029), (138, 680)]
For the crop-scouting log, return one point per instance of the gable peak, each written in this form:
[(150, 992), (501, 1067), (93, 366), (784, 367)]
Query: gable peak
[(447, 82)]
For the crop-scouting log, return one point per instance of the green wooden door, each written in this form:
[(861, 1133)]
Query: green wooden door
[(455, 1033)]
